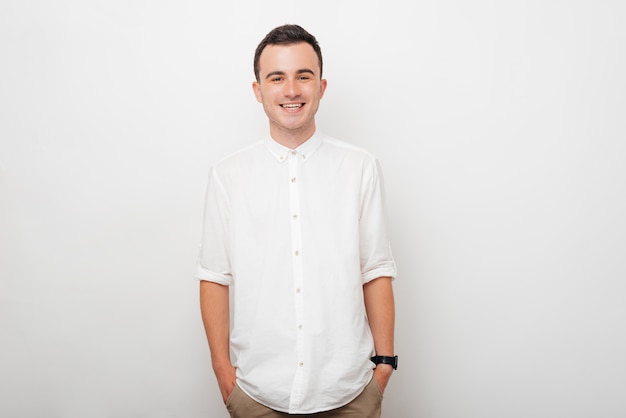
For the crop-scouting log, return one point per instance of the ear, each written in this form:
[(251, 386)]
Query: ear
[(256, 87), (323, 85)]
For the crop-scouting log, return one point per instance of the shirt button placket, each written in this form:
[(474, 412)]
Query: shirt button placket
[(298, 279)]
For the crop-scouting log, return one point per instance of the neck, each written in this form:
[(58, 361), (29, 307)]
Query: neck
[(291, 138)]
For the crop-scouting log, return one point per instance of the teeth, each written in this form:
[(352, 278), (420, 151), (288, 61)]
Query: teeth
[(292, 105)]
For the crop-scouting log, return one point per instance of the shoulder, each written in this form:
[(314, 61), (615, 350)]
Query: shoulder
[(347, 149), (237, 158), (350, 155)]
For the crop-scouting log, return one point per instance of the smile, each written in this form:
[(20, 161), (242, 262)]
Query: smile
[(292, 105)]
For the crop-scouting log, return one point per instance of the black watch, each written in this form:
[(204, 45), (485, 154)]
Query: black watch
[(393, 361)]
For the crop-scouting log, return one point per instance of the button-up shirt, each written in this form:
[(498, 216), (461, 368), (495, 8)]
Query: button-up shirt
[(296, 234)]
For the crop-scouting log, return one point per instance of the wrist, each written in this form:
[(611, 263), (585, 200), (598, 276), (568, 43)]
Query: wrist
[(220, 366), (384, 369)]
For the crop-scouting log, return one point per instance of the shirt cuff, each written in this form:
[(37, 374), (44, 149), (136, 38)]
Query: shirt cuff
[(203, 273), (383, 271)]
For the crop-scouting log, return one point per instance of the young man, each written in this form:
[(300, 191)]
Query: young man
[(295, 225)]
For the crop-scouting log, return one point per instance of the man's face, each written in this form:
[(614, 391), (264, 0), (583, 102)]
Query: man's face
[(290, 89)]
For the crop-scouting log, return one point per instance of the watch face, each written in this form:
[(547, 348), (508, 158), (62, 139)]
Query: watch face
[(393, 361)]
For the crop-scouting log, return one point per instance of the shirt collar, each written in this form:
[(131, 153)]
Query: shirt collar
[(304, 151)]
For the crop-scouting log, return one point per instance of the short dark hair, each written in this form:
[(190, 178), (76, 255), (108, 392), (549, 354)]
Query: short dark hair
[(286, 35)]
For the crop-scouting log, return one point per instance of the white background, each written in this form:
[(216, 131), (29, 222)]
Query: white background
[(500, 128)]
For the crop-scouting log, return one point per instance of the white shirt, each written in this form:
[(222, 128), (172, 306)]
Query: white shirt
[(296, 234)]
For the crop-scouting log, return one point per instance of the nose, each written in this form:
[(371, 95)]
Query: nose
[(292, 88)]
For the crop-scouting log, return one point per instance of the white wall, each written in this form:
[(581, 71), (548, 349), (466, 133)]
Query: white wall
[(500, 128)]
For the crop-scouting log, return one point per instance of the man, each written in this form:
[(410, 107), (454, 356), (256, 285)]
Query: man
[(295, 225)]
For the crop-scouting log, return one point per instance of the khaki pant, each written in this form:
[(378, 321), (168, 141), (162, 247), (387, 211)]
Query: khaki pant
[(366, 405)]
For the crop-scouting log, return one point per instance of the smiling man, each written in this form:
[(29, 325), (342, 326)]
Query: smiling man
[(295, 225), (290, 86)]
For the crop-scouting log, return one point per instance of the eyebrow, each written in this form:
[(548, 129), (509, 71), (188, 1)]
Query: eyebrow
[(300, 71)]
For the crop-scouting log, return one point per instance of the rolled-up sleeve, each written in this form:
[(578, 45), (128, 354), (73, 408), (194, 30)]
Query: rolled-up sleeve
[(375, 249), (213, 261)]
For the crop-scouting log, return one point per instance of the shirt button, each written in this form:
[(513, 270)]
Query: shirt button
[(299, 327), (293, 179), (303, 157), (293, 152), (296, 253), (298, 290), (301, 364), (295, 216)]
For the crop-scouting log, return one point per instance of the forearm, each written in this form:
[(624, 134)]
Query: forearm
[(380, 308), (214, 305)]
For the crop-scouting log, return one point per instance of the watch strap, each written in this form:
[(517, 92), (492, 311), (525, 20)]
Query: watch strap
[(393, 361)]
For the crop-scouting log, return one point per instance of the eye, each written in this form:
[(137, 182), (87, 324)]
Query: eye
[(276, 79), (304, 77)]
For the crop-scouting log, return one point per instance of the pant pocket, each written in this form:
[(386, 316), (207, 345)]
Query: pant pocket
[(229, 401), (374, 383)]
